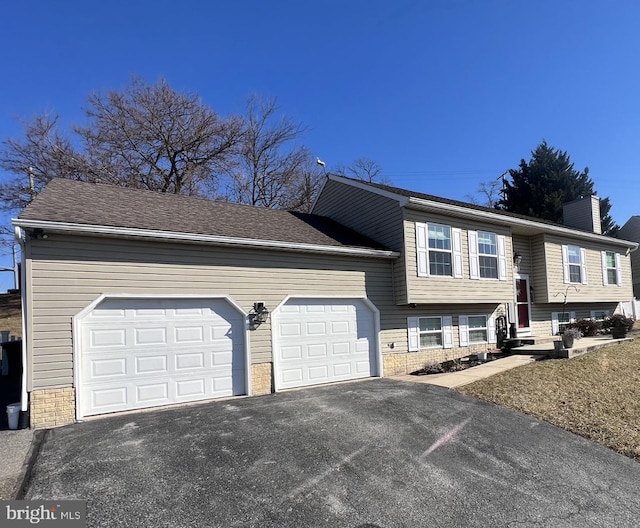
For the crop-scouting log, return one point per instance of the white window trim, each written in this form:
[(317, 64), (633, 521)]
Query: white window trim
[(463, 329), (605, 269), (413, 330), (555, 321), (422, 251), (474, 256), (566, 264)]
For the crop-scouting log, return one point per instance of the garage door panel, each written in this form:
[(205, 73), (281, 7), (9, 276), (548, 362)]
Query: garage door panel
[(189, 334), (340, 370), (108, 338), (323, 340), (185, 350), (152, 393), (102, 368), (152, 364), (319, 374), (290, 352), (109, 398), (189, 361), (340, 349), (150, 336)]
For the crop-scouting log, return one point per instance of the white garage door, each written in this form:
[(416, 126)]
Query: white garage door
[(323, 340), (139, 353)]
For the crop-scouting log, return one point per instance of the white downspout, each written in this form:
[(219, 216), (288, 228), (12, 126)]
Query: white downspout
[(24, 398)]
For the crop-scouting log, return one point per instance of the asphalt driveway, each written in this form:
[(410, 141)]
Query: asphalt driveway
[(374, 453)]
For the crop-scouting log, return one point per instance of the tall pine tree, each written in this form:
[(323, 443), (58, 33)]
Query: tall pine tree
[(542, 185)]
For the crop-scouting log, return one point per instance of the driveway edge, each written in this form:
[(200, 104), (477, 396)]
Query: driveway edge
[(23, 479)]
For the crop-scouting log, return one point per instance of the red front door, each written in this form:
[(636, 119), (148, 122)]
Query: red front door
[(523, 307)]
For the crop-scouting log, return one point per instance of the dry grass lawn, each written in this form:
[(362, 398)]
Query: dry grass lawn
[(596, 395)]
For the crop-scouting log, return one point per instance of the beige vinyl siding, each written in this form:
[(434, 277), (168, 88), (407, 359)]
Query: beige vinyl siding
[(594, 290), (539, 269), (68, 273), (378, 217), (447, 289), (522, 246)]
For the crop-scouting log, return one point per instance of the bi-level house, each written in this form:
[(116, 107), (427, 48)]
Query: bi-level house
[(134, 299)]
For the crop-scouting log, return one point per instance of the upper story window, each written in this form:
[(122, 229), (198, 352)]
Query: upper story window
[(440, 261), (574, 262), (487, 255), (611, 268), (438, 250)]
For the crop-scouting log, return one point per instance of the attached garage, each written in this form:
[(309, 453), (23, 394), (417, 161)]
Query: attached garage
[(324, 340), (133, 353)]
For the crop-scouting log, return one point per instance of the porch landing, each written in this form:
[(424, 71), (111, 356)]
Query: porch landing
[(546, 346)]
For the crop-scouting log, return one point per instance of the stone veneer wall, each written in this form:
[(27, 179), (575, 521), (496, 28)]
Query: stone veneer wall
[(261, 379), (407, 362), (52, 407)]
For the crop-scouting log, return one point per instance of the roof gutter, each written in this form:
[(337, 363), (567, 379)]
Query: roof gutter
[(129, 232), (508, 221)]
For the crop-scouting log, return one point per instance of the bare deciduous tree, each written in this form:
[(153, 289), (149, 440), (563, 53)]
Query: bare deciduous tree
[(146, 136), (364, 169), (42, 154), (270, 168), (488, 192), (152, 137)]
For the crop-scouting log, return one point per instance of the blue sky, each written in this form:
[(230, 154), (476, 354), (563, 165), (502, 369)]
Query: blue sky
[(442, 94)]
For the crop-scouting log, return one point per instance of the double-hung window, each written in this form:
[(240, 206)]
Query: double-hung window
[(560, 321), (611, 268), (574, 262), (487, 255), (440, 253), (430, 329), (430, 332), (476, 329), (438, 249)]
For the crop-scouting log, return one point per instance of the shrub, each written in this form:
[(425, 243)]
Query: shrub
[(618, 321), (432, 367), (587, 327)]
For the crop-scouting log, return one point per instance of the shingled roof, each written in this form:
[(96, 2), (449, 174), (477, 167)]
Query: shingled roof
[(74, 202), (448, 201)]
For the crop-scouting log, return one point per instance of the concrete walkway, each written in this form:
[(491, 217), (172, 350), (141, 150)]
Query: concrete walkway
[(463, 377), (521, 356)]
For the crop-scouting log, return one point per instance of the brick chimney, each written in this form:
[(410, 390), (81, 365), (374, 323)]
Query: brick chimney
[(583, 213)]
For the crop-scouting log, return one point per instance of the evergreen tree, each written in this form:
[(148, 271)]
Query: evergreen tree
[(540, 187)]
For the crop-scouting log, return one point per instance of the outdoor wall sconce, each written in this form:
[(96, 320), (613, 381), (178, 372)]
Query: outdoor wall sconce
[(517, 259), (258, 315)]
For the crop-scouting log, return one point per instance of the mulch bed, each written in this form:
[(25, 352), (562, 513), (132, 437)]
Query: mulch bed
[(456, 365)]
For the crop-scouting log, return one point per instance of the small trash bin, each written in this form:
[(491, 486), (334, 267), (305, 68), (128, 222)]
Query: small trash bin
[(13, 414)]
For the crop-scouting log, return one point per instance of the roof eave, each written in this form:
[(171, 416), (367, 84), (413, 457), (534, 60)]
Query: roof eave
[(128, 232), (508, 221)]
